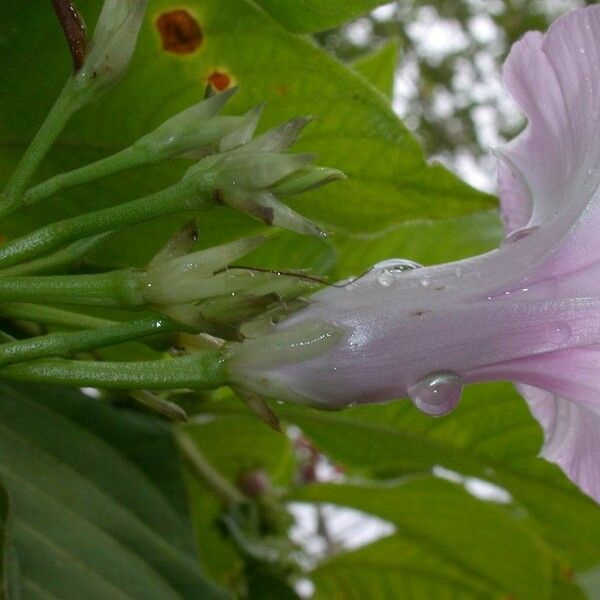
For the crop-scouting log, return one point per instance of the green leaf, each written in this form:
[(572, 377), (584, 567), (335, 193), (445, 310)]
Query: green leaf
[(88, 521), (379, 67), (389, 182), (10, 586), (303, 16), (378, 571), (449, 537), (427, 242), (491, 436)]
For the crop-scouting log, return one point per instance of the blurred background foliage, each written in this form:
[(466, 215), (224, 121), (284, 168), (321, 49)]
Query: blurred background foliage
[(448, 87)]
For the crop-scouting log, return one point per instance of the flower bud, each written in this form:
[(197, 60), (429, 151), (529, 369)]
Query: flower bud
[(194, 132), (181, 279), (243, 181), (279, 138), (244, 132), (307, 178), (180, 243), (113, 44), (249, 175)]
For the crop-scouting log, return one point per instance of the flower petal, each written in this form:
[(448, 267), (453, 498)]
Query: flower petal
[(549, 175), (572, 436), (554, 79), (563, 392)]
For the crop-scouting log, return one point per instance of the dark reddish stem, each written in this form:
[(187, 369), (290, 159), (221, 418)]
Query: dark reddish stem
[(74, 29)]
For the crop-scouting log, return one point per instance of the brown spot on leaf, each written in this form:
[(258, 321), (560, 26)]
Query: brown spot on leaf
[(179, 31), (219, 80)]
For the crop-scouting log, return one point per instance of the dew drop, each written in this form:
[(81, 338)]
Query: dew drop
[(397, 264), (517, 235), (388, 270), (436, 394)]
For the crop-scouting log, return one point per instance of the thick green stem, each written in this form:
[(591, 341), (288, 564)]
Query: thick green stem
[(204, 370), (126, 159), (185, 195), (49, 315), (65, 106), (59, 344), (60, 260), (115, 288)]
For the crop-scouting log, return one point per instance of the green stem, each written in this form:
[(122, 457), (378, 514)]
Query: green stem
[(60, 260), (185, 195), (49, 315), (114, 289), (202, 469), (59, 344), (126, 159), (64, 107), (204, 370)]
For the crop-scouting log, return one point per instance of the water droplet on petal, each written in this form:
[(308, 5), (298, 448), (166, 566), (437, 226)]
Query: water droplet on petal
[(517, 235), (397, 264), (437, 394), (388, 270)]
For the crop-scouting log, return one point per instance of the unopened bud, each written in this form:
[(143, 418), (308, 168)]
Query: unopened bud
[(113, 43), (266, 207), (307, 178), (189, 277), (194, 132), (244, 132), (181, 242), (279, 138), (255, 483)]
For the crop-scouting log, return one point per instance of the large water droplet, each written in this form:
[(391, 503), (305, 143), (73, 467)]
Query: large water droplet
[(517, 235), (437, 394), (388, 270)]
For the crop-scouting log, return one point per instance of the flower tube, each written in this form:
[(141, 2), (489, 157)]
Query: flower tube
[(528, 312)]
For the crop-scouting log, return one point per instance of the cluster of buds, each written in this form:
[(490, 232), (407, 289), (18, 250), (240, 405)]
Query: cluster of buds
[(204, 297), (203, 290), (252, 175)]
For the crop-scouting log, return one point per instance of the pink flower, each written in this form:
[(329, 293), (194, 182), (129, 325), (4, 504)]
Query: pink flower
[(528, 312)]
